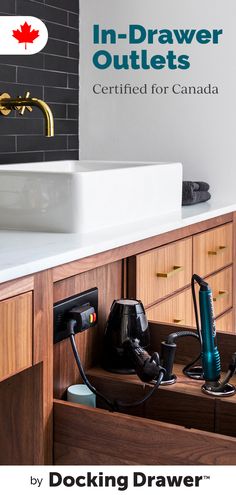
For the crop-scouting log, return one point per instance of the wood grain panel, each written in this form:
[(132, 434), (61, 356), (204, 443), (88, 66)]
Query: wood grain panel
[(15, 334), (175, 259), (43, 352), (15, 287), (177, 404), (212, 250), (128, 438), (221, 286), (21, 418), (225, 323), (225, 418), (234, 270), (109, 280), (67, 455), (100, 259), (177, 309)]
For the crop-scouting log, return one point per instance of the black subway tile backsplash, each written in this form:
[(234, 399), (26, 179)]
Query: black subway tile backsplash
[(73, 50), (7, 7), (73, 20), (41, 143), (36, 61), (65, 126), (10, 158), (64, 155), (44, 77), (56, 47), (72, 5), (7, 143), (73, 80), (57, 95), (43, 12), (14, 127), (61, 64), (8, 73), (60, 32), (51, 75), (72, 111), (73, 142), (16, 89)]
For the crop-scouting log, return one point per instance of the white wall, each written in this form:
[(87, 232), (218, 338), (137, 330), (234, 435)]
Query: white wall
[(198, 130)]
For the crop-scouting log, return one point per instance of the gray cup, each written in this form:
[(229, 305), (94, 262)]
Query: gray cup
[(81, 394)]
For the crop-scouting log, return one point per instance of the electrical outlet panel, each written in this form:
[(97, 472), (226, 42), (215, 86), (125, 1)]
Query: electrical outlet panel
[(86, 305)]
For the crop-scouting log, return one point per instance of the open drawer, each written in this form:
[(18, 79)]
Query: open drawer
[(89, 436), (179, 425)]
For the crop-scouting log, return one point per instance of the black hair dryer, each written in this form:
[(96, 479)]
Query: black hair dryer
[(127, 322)]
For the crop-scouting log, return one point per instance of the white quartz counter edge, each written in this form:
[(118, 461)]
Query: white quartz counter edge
[(25, 253)]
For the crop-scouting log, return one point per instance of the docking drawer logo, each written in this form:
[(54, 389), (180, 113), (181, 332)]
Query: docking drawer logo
[(22, 35)]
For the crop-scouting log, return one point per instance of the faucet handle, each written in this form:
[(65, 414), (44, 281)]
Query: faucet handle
[(22, 109)]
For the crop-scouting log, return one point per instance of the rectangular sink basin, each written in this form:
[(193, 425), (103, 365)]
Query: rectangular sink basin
[(86, 196)]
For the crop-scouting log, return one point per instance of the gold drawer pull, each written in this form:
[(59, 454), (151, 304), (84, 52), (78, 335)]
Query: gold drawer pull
[(176, 269), (176, 320), (218, 250), (221, 293)]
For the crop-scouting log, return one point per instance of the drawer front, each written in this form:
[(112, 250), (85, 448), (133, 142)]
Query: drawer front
[(212, 250), (221, 286), (177, 309), (162, 271), (15, 334), (97, 437), (225, 323)]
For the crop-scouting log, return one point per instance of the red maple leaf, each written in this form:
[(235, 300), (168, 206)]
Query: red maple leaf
[(25, 35)]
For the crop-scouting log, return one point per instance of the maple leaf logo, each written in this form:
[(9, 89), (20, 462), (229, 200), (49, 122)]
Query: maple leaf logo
[(25, 35)]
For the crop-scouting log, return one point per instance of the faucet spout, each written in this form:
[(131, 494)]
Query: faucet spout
[(7, 104), (48, 115)]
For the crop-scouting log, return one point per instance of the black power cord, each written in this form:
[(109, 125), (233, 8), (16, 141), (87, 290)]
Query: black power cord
[(150, 393), (84, 377), (113, 406), (194, 372), (168, 350)]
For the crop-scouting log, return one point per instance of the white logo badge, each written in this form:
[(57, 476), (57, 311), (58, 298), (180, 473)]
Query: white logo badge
[(22, 35)]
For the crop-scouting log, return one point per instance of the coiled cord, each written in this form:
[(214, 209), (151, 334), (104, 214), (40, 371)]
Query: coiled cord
[(113, 406)]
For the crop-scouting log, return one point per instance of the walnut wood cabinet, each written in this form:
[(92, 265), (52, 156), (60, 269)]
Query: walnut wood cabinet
[(161, 277), (16, 334), (34, 374)]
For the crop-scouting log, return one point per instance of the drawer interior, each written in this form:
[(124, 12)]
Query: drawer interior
[(185, 426), (87, 436)]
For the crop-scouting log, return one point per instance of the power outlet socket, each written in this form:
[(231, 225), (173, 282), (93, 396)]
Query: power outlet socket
[(61, 309)]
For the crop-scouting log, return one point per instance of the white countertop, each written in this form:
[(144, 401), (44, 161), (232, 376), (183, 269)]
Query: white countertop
[(24, 253)]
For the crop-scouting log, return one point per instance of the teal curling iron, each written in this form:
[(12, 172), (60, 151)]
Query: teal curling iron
[(210, 355)]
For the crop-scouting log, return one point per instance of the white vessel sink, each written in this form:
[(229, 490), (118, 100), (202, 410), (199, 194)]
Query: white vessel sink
[(86, 196)]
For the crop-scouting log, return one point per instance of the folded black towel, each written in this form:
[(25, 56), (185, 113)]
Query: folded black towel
[(195, 192), (201, 186)]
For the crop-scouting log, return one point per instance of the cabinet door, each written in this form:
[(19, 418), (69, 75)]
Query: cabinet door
[(15, 334), (177, 309), (212, 250), (162, 271)]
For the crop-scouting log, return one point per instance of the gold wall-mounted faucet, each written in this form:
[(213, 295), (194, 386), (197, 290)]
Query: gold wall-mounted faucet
[(7, 104)]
